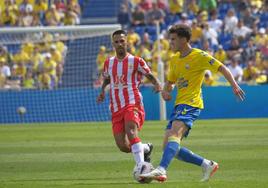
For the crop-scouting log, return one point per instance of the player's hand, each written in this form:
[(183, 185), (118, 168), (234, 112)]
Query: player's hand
[(166, 95), (101, 97), (157, 88), (239, 93)]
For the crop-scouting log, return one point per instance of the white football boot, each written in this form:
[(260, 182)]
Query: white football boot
[(209, 171), (158, 174)]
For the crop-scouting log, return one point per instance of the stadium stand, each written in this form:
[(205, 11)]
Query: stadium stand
[(100, 11), (226, 21)]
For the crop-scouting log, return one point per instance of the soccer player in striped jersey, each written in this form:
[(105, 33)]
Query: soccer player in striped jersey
[(124, 73), (186, 69)]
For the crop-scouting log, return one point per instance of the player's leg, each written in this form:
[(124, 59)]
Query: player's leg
[(134, 118), (171, 146), (187, 116), (208, 167), (172, 139), (176, 130), (135, 141), (122, 143), (120, 136)]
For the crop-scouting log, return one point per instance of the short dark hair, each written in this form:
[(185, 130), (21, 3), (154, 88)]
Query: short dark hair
[(181, 30), (119, 32)]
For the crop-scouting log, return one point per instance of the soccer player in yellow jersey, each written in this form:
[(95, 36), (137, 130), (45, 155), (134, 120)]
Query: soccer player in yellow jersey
[(186, 70)]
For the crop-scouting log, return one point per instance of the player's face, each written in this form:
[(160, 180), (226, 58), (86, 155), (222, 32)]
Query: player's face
[(176, 43), (120, 44)]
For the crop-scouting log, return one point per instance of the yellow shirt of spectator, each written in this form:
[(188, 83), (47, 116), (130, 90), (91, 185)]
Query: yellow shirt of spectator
[(60, 46), (43, 47), (4, 57), (133, 38), (193, 7), (50, 67), (257, 3), (260, 39), (44, 81), (164, 45), (36, 59), (220, 55), (2, 80), (197, 34), (175, 6), (144, 53), (21, 70), (28, 48), (42, 7), (28, 83), (49, 16), (188, 74), (9, 17), (250, 73), (56, 56), (21, 56)]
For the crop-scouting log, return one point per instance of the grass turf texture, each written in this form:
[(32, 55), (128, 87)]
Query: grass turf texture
[(74, 155)]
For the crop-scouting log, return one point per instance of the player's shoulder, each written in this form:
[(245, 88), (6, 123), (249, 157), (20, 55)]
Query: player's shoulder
[(199, 52), (137, 59)]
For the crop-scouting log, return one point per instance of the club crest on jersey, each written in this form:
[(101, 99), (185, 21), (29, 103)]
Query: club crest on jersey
[(187, 66), (136, 113), (212, 61)]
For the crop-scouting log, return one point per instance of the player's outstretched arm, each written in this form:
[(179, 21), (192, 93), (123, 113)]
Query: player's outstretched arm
[(168, 87), (101, 96), (229, 77), (154, 81)]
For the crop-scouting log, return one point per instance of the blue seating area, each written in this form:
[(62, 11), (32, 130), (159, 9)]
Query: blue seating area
[(100, 8)]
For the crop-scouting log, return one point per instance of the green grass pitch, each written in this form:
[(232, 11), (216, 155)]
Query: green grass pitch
[(80, 155)]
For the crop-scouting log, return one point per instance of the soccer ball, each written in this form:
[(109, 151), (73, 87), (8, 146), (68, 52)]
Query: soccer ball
[(21, 110), (142, 168)]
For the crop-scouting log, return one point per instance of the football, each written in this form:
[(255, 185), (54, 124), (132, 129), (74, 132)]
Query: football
[(21, 110), (142, 168)]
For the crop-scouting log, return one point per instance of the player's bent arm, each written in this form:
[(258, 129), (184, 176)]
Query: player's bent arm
[(154, 81), (106, 82), (229, 77), (101, 96)]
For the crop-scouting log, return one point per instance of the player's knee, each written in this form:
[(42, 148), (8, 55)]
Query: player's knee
[(123, 147), (172, 133), (131, 130)]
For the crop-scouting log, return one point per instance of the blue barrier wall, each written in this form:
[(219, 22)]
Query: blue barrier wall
[(220, 102), (65, 105)]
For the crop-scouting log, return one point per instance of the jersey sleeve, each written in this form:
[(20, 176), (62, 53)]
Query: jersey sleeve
[(210, 63), (143, 67), (105, 72)]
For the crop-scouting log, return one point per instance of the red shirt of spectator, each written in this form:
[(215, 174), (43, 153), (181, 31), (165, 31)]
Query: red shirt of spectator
[(145, 4)]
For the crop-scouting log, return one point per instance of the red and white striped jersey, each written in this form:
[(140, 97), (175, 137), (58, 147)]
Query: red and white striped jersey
[(125, 78)]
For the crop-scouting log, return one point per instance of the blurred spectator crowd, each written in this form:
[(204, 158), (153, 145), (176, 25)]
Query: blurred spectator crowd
[(36, 65), (234, 32), (39, 13)]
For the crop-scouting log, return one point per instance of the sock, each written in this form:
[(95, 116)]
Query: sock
[(188, 156), (169, 152), (137, 150), (146, 148), (206, 163)]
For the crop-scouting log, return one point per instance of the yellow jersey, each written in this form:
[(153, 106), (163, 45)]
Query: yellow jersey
[(188, 74)]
